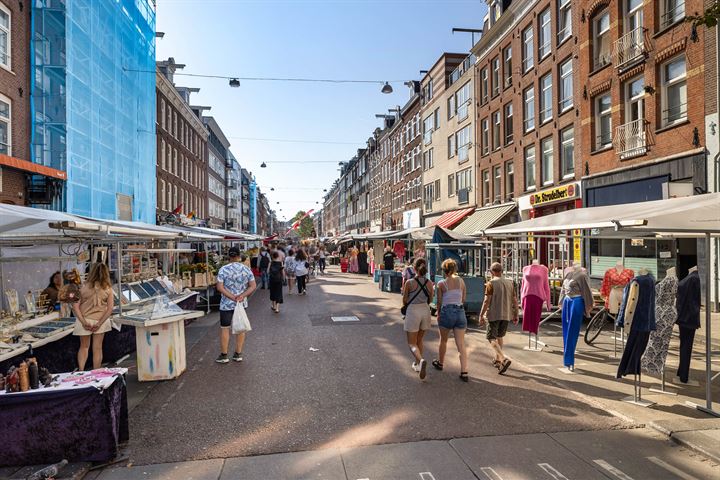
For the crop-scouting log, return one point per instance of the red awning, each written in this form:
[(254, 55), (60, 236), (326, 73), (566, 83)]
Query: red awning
[(450, 219), (31, 167)]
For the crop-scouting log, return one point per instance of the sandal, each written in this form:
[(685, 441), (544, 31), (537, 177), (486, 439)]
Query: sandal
[(437, 365), (464, 376), (505, 365)]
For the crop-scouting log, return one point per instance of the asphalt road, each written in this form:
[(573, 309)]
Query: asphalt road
[(357, 389)]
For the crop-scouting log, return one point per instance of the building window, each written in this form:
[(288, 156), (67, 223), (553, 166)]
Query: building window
[(484, 85), (451, 185), (530, 167), (544, 34), (671, 11), (674, 91), (507, 66), (529, 109), (546, 98), (5, 128), (427, 129), (436, 120), (528, 59), (508, 113), (451, 146), (497, 182), (495, 76), (162, 113), (564, 20), (463, 143), (436, 190), (5, 37), (486, 187), (509, 180), (428, 159), (547, 160), (603, 121), (496, 130), (566, 85), (485, 136), (601, 40), (567, 152), (463, 101), (451, 106), (428, 91)]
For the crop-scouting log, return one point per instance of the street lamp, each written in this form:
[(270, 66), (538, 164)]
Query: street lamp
[(263, 165), (234, 82), (386, 88)]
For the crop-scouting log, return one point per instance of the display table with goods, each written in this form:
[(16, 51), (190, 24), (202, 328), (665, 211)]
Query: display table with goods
[(79, 416), (159, 338)]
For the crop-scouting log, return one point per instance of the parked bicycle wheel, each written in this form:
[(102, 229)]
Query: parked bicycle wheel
[(595, 326)]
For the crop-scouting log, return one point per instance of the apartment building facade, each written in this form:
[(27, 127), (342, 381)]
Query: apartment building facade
[(407, 167), (380, 147), (642, 114), (331, 212), (448, 116), (181, 163), (218, 164)]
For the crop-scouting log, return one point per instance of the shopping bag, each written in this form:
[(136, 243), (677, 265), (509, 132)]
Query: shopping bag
[(240, 321)]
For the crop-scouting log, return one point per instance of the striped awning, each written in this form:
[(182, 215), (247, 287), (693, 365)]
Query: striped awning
[(484, 218), (450, 219)]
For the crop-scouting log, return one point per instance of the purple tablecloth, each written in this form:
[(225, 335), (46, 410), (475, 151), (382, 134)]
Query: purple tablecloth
[(78, 425)]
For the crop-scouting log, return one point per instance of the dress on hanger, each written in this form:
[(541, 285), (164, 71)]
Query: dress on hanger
[(612, 285), (534, 292), (688, 319), (643, 322), (656, 352)]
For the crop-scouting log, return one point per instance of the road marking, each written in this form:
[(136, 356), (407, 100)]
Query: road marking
[(490, 473), (426, 476), (671, 469), (612, 470), (550, 470)]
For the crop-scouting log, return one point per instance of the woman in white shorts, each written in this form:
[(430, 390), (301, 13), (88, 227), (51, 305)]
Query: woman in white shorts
[(417, 294)]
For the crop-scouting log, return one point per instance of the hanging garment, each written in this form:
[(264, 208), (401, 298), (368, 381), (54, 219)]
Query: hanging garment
[(612, 287), (532, 313), (687, 337), (643, 323), (688, 301), (665, 316), (535, 282), (573, 310)]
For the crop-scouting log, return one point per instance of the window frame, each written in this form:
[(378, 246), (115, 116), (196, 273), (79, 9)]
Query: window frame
[(451, 185), (485, 132), (565, 101), (526, 157), (508, 128), (598, 115), (466, 130), (497, 174), (463, 109), (544, 27), (484, 86), (496, 126), (495, 70), (665, 85), (486, 186), (665, 21), (8, 121), (547, 161), (597, 61), (509, 172), (564, 16), (528, 116), (452, 146), (528, 51), (564, 171), (546, 102), (7, 64)]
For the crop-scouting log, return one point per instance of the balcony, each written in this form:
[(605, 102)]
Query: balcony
[(631, 139), (631, 47)]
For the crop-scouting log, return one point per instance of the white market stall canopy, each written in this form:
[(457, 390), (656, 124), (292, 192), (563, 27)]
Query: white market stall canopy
[(26, 223), (695, 215)]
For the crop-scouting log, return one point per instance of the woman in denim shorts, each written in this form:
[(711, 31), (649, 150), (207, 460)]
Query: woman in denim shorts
[(450, 300)]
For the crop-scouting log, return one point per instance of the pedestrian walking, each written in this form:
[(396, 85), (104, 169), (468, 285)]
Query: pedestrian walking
[(302, 269), (92, 314), (321, 259), (389, 259), (417, 295), (263, 266), (409, 271), (451, 295), (236, 283), (290, 270), (276, 278), (500, 306), (353, 266)]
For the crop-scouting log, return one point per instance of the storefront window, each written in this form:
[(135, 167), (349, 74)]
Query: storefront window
[(654, 255)]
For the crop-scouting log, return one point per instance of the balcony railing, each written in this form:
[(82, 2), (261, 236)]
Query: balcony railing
[(630, 47), (631, 139)]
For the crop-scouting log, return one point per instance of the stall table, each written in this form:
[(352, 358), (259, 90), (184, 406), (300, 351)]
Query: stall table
[(82, 422), (160, 345)]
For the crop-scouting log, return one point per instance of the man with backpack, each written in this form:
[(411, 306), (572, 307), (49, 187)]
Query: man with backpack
[(264, 266)]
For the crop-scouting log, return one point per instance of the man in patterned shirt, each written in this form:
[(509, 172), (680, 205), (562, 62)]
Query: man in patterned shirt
[(235, 282)]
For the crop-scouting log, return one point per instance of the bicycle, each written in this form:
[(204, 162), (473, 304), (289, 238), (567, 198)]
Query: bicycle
[(596, 324)]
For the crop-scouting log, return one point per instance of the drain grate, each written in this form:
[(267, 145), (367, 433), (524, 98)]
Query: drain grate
[(344, 319), (351, 318)]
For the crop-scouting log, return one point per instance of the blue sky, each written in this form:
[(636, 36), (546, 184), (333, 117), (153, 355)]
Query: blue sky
[(337, 39)]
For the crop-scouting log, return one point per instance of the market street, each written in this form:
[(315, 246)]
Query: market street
[(357, 389)]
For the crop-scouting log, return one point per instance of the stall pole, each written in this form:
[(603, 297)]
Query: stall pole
[(119, 275), (207, 271), (662, 384), (708, 336)]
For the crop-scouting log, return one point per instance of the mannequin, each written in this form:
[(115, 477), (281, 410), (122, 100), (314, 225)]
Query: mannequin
[(638, 303), (535, 291), (688, 319), (577, 303), (653, 361), (613, 283)]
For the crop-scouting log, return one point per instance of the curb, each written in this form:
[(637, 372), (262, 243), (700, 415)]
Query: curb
[(679, 439)]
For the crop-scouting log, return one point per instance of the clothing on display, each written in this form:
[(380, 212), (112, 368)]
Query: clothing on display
[(577, 303), (612, 287), (535, 291), (688, 319), (687, 337), (653, 360), (643, 322), (399, 248)]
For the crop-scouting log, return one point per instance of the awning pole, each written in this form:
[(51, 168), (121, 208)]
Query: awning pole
[(708, 333), (119, 276)]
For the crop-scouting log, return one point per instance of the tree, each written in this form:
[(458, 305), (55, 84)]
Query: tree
[(306, 225), (709, 18)]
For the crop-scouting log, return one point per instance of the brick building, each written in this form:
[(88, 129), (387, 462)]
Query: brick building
[(181, 148), (15, 156), (527, 120), (218, 162), (643, 133)]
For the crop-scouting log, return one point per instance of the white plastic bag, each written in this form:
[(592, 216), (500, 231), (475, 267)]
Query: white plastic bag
[(240, 321)]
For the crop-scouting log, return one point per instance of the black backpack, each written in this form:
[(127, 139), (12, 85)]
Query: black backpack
[(264, 262), (276, 271)]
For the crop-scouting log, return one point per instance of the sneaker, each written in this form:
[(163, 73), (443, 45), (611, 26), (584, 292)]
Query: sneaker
[(415, 366), (222, 358), (237, 357), (505, 365), (423, 369)]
